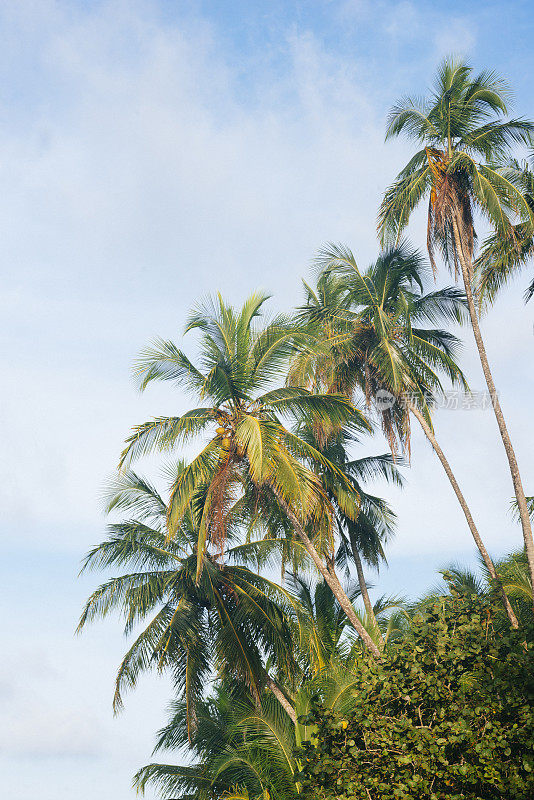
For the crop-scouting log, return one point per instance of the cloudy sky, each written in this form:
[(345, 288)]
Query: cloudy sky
[(151, 153)]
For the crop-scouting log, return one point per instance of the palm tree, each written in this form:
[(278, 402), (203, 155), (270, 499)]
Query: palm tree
[(247, 750), (503, 257), (242, 751), (250, 453), (321, 631), (363, 538), (375, 344), (462, 131), (225, 624)]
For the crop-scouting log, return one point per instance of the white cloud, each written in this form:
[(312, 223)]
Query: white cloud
[(45, 732), (34, 724), (457, 37), (402, 20), (139, 183), (58, 732)]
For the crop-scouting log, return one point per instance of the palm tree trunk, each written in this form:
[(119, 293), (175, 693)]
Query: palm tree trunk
[(331, 579), (467, 270), (282, 699), (467, 513), (365, 595)]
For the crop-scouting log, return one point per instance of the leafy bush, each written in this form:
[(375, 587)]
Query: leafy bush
[(449, 713)]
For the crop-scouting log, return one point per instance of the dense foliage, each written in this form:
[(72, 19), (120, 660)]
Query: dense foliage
[(448, 714)]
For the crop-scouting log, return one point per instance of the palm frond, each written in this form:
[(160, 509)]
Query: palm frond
[(163, 433)]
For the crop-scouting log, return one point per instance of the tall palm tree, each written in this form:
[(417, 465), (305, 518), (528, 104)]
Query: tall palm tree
[(381, 347), (250, 453), (225, 624), (462, 130)]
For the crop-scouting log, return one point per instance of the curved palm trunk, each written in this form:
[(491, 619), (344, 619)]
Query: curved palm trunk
[(331, 579), (467, 513), (466, 266), (365, 595), (282, 699)]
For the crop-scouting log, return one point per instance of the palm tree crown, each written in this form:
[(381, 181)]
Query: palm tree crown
[(462, 131), (251, 461), (249, 448), (226, 624), (376, 336)]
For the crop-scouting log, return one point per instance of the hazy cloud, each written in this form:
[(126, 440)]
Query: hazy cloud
[(457, 37)]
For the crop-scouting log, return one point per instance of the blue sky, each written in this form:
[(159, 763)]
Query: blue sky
[(151, 153)]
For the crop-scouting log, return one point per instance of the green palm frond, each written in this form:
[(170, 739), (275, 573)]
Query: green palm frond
[(164, 361), (133, 595), (494, 139), (515, 509), (410, 116), (503, 257), (129, 491), (310, 409), (373, 467), (444, 304), (270, 352), (132, 543), (400, 200), (142, 655), (195, 475), (163, 433)]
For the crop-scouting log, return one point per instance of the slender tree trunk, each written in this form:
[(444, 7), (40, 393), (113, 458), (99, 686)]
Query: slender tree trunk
[(331, 579), (467, 513), (282, 699), (467, 270), (365, 595)]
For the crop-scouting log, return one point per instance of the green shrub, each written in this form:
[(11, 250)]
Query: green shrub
[(449, 713)]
